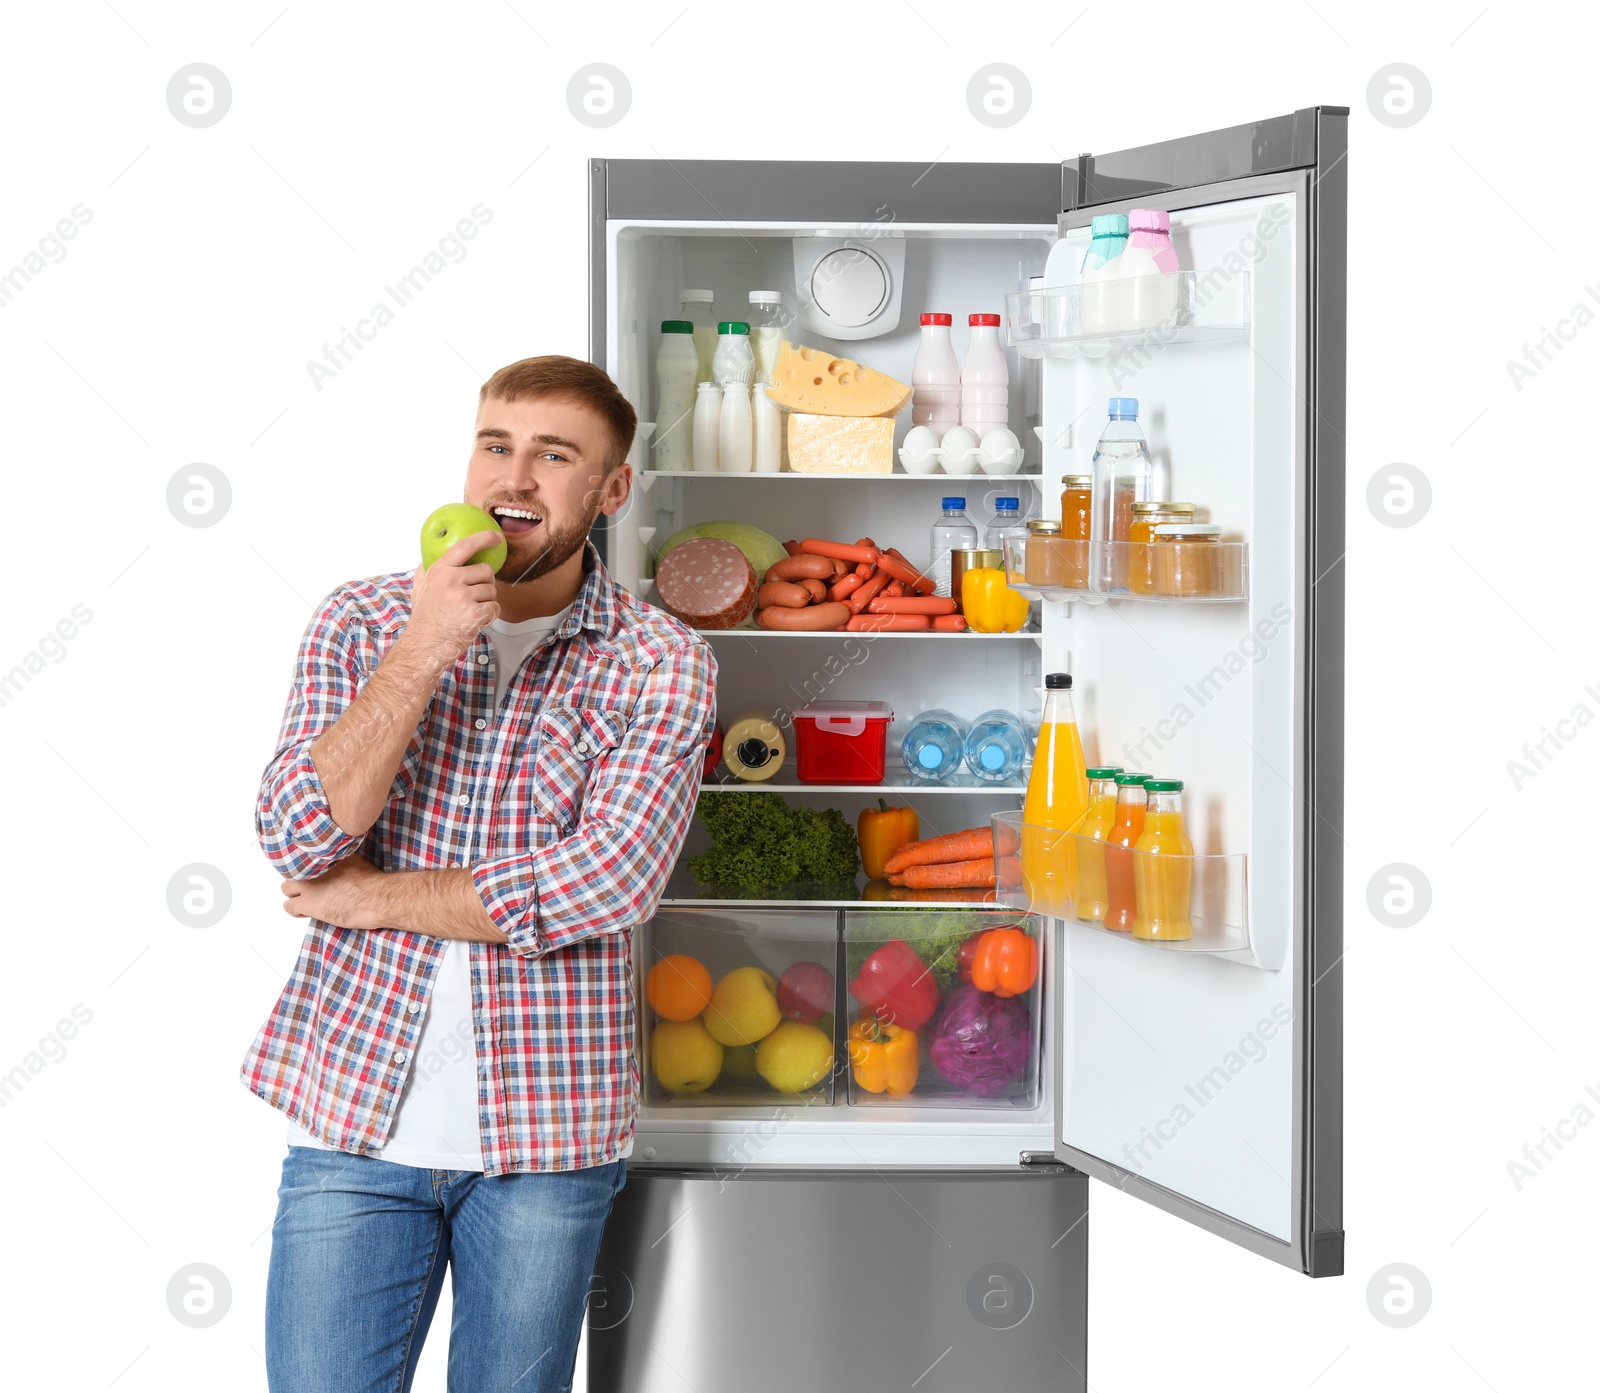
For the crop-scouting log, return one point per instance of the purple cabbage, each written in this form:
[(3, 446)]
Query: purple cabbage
[(980, 1042)]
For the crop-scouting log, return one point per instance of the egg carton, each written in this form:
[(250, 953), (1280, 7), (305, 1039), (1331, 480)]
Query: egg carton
[(961, 452)]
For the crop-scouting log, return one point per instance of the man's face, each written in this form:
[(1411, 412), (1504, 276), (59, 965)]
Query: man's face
[(543, 456)]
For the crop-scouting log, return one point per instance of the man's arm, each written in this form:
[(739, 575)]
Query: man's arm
[(355, 894), (342, 741)]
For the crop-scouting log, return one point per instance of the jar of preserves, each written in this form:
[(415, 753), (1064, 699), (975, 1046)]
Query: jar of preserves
[(1076, 493), (1146, 518), (1044, 557), (1186, 561)]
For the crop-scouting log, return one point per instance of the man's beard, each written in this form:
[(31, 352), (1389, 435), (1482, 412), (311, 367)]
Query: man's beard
[(553, 551)]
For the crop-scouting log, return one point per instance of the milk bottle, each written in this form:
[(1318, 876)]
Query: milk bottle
[(1149, 267), (699, 311), (1099, 298), (936, 378), (677, 366)]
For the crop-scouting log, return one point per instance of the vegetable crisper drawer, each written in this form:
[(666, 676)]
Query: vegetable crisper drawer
[(737, 1007), (943, 1008)]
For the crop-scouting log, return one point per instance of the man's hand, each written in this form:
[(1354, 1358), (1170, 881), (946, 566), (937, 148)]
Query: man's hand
[(344, 896), (452, 601)]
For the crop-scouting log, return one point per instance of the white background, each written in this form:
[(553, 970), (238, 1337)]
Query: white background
[(177, 327)]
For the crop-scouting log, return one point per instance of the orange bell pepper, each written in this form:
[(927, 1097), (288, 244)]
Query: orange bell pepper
[(1006, 963), (882, 831), (883, 1057)]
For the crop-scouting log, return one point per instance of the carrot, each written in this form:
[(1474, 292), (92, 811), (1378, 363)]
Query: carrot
[(914, 604), (888, 624), (869, 588), (844, 586), (949, 874), (949, 623), (964, 895), (974, 843), (845, 551)]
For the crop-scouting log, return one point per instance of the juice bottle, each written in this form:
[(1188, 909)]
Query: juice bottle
[(1095, 828), (1164, 872), (1126, 829), (1058, 797)]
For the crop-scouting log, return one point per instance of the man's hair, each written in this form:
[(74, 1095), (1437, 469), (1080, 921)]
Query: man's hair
[(554, 375)]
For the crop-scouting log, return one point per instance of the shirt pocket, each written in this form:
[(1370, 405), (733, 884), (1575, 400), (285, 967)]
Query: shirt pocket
[(574, 742)]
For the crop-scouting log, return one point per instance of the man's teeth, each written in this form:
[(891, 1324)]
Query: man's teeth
[(516, 513)]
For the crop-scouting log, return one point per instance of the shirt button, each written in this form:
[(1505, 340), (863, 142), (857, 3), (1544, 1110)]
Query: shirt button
[(463, 800), (400, 1056), (483, 657), (455, 865), (583, 747), (413, 1007), (480, 723)]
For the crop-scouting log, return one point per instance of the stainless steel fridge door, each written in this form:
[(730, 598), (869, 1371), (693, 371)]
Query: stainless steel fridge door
[(795, 1280), (1208, 1088)]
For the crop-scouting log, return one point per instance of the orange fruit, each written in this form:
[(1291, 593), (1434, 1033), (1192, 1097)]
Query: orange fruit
[(678, 987)]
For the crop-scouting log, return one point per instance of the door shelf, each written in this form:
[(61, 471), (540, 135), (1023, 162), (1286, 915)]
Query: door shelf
[(1065, 569), (1202, 897), (894, 777), (1140, 316)]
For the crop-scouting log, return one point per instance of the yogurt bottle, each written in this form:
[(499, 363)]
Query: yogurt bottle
[(677, 366), (985, 383), (1100, 299), (733, 361), (699, 310), (766, 330), (936, 377), (767, 418), (707, 425), (1149, 268), (735, 430), (769, 326)]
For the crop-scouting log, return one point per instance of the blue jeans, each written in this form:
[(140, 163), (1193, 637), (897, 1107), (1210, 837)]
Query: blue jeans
[(359, 1249)]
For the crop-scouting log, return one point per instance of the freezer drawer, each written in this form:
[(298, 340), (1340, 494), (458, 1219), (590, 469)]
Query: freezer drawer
[(791, 1281)]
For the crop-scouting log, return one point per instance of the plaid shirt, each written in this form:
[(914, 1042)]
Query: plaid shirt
[(570, 805)]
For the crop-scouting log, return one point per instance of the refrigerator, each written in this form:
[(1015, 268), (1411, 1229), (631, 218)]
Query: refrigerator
[(839, 1238)]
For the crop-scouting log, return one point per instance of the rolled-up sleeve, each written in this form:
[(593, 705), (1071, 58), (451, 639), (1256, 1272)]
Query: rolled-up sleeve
[(609, 873), (293, 823)]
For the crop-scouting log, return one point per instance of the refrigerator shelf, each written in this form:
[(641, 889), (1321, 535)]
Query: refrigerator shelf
[(1206, 307), (1065, 569), (685, 892), (898, 476), (1210, 892), (895, 778), (921, 636)]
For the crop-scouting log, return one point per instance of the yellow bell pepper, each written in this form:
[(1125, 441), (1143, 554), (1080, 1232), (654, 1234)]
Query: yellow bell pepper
[(884, 1057), (989, 604)]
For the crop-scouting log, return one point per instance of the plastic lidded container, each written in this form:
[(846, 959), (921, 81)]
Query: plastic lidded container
[(841, 742)]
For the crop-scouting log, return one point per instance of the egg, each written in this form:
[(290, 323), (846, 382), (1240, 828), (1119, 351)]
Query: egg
[(998, 441), (957, 440), (1000, 452), (921, 440)]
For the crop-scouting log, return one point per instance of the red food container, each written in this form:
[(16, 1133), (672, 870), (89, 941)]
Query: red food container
[(841, 742)]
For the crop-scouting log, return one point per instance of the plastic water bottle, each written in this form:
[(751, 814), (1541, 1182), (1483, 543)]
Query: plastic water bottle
[(1007, 523), (1123, 475), (932, 747), (953, 532), (996, 748)]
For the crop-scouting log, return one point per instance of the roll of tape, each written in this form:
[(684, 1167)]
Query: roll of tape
[(753, 747)]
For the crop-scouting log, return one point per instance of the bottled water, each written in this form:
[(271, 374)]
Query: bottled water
[(932, 747), (953, 531), (1123, 476), (1007, 523), (996, 747)]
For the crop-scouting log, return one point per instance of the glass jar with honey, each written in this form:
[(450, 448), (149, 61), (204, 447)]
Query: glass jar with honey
[(1146, 518), (1076, 493), (1045, 563), (1187, 561)]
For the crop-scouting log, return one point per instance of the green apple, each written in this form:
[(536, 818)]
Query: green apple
[(448, 525)]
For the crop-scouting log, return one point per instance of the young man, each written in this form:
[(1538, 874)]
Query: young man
[(481, 784)]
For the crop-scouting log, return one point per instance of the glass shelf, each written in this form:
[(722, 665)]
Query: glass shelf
[(897, 476), (684, 891), (1067, 569), (1139, 316), (868, 636), (896, 778), (1204, 898)]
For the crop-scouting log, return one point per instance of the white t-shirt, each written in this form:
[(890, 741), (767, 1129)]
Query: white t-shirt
[(436, 1125)]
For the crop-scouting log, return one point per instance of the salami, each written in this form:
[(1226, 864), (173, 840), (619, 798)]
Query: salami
[(707, 583)]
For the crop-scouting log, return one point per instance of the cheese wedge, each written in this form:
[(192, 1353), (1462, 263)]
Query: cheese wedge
[(807, 379), (841, 444)]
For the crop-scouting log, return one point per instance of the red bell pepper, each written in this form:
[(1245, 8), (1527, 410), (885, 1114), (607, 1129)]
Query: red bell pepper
[(896, 986)]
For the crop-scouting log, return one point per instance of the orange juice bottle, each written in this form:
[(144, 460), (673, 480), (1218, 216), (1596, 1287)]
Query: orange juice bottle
[(1058, 797), (1163, 866), (1126, 828), (1096, 826)]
